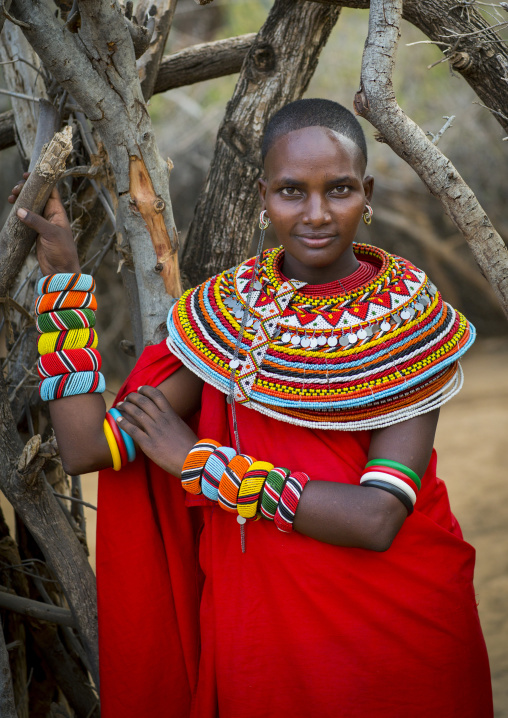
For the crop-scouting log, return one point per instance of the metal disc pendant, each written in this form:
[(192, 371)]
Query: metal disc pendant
[(397, 318), (313, 343), (375, 328), (385, 326), (432, 289), (369, 332), (258, 286), (305, 342), (405, 314), (234, 363), (332, 341), (321, 341), (344, 341), (286, 338), (419, 307), (361, 334), (352, 338), (239, 314), (425, 300), (295, 340), (241, 520)]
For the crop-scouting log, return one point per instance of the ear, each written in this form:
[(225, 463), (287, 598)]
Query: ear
[(368, 187), (262, 185)]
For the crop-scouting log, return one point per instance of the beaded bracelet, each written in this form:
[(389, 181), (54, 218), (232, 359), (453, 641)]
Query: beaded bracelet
[(272, 491), (68, 361), (393, 477), (64, 300), (127, 440), (62, 385), (65, 319), (72, 339), (65, 282), (213, 470), (290, 497), (194, 464), (231, 481), (250, 489)]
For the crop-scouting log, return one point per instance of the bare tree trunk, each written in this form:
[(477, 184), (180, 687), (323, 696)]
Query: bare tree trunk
[(377, 103), (7, 705), (276, 71)]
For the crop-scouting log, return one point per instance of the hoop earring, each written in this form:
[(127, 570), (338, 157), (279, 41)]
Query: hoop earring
[(367, 215), (264, 221)]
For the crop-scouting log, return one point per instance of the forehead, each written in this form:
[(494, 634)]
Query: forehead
[(314, 150)]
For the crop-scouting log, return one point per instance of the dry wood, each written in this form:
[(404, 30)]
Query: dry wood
[(148, 64), (7, 134), (16, 239), (205, 61), (276, 71), (7, 705), (377, 103), (36, 609)]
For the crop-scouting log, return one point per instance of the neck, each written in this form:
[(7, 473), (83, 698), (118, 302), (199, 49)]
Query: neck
[(345, 265)]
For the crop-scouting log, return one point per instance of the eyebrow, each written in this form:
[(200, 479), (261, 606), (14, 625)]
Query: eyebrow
[(336, 181)]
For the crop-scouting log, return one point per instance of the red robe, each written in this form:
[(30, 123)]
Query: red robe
[(192, 628)]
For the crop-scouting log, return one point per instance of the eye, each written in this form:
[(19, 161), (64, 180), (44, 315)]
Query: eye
[(290, 192), (341, 190)]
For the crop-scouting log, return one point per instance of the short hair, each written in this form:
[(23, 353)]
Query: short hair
[(314, 112)]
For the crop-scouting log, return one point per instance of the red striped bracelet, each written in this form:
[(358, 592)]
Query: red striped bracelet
[(288, 503)]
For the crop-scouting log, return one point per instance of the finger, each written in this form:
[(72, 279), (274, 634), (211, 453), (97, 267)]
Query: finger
[(15, 191), (156, 396), (136, 415), (35, 221), (145, 403), (134, 431)]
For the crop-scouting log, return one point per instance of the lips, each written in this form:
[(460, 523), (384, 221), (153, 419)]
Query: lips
[(316, 240)]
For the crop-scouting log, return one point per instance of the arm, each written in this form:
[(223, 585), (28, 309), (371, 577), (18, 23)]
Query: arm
[(335, 513)]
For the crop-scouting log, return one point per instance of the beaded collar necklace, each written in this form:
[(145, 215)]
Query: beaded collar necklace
[(367, 358)]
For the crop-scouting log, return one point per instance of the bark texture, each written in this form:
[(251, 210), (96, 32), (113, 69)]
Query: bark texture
[(377, 103), (276, 71)]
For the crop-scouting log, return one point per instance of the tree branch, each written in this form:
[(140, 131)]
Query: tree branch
[(7, 705), (377, 103), (36, 609), (148, 64)]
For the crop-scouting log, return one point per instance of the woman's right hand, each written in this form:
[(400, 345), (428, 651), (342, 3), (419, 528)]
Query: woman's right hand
[(56, 251)]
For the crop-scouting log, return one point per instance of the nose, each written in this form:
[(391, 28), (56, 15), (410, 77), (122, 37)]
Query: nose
[(316, 212)]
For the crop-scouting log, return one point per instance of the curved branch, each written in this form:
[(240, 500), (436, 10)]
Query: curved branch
[(377, 103)]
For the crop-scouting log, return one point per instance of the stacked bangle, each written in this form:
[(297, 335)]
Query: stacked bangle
[(241, 484), (288, 503), (68, 364), (120, 443), (393, 477)]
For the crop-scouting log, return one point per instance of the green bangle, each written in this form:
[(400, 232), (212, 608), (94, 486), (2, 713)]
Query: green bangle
[(396, 465)]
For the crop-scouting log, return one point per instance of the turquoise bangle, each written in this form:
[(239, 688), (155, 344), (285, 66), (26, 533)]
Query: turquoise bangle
[(127, 440), (213, 470), (65, 281)]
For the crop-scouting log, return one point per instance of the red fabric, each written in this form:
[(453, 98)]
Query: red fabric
[(293, 627), (365, 272)]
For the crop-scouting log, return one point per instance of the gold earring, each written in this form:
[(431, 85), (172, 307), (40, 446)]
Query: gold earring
[(367, 215)]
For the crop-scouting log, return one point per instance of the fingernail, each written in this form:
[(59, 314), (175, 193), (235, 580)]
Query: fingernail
[(119, 404), (140, 387), (119, 418), (22, 213)]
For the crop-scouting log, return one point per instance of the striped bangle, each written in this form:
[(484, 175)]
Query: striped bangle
[(67, 361), (81, 382), (65, 319), (213, 470), (391, 489), (72, 339), (291, 494), (65, 281), (64, 300), (194, 464), (231, 481), (251, 487), (272, 491), (127, 440), (113, 447), (390, 464)]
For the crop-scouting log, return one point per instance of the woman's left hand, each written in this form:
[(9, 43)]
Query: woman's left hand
[(149, 419)]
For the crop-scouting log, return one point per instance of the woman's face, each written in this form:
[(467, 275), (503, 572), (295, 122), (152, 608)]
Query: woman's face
[(315, 194)]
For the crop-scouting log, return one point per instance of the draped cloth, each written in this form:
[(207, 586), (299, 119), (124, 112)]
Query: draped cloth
[(192, 628)]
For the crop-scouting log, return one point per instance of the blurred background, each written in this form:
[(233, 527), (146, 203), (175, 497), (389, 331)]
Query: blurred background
[(407, 220)]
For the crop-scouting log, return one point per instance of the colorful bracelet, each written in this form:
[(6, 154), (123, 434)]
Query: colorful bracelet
[(64, 300), (130, 447), (251, 487), (393, 477), (65, 282), (231, 481), (194, 464), (62, 385), (213, 470), (290, 497), (115, 429), (65, 319), (68, 361), (272, 491), (113, 446), (72, 339)]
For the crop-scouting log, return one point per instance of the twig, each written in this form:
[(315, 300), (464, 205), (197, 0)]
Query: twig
[(475, 32), (436, 137), (14, 20), (73, 498), (494, 112), (36, 609), (103, 253), (19, 95)]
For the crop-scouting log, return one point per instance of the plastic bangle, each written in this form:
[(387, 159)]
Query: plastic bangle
[(127, 440), (118, 438), (396, 465), (65, 281), (387, 478), (115, 454), (398, 493)]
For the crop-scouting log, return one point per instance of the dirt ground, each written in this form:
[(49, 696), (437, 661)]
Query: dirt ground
[(471, 444)]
